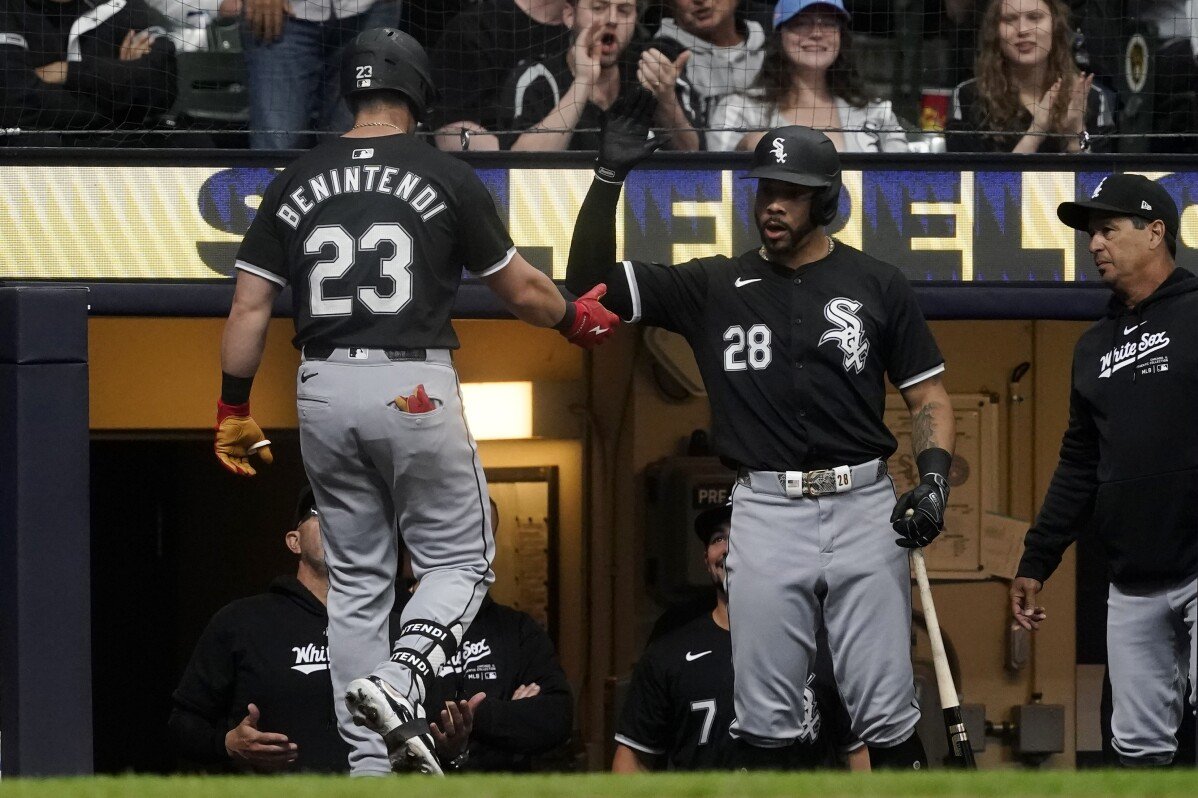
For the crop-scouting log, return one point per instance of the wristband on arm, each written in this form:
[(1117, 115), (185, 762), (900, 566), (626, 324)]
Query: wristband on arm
[(235, 390)]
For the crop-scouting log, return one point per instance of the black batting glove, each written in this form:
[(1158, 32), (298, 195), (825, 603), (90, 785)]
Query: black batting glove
[(918, 517), (624, 139)]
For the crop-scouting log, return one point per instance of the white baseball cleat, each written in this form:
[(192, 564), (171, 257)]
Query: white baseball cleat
[(374, 704)]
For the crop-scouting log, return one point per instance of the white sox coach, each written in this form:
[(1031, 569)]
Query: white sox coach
[(1129, 463)]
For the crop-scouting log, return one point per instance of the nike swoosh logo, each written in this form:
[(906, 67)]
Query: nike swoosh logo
[(741, 283), (1129, 330), (692, 657), (308, 376), (597, 330)]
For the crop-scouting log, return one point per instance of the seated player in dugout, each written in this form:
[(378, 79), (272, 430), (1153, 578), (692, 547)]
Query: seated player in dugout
[(503, 699), (256, 694), (795, 341), (559, 102), (679, 707)]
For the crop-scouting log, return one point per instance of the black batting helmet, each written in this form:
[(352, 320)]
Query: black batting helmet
[(386, 58), (806, 157)]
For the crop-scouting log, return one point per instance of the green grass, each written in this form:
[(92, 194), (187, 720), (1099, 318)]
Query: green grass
[(1000, 784)]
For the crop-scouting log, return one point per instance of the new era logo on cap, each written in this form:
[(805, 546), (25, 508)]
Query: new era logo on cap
[(1123, 194)]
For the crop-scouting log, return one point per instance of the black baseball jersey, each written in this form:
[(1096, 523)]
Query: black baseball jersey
[(372, 235), (794, 361), (679, 704)]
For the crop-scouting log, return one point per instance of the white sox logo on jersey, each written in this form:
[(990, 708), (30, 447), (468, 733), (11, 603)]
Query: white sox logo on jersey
[(310, 658), (469, 661), (779, 150), (848, 334), (1134, 352)]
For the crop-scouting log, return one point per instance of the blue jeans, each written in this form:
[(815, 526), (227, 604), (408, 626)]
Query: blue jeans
[(293, 81)]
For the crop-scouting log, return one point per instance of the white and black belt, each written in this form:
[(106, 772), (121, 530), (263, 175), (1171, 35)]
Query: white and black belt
[(820, 482)]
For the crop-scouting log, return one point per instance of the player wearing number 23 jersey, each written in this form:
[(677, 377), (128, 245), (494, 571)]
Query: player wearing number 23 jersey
[(371, 231), (372, 235)]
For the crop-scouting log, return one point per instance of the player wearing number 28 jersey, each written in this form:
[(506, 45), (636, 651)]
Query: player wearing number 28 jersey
[(371, 232), (795, 341)]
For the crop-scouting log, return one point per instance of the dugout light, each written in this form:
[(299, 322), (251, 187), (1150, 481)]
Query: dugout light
[(498, 410)]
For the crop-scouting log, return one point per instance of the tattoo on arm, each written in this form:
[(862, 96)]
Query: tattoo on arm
[(923, 428)]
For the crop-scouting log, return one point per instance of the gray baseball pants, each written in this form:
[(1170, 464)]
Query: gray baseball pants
[(1152, 650), (793, 562), (372, 468)]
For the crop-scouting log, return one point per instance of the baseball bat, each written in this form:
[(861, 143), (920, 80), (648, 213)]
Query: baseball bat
[(954, 727)]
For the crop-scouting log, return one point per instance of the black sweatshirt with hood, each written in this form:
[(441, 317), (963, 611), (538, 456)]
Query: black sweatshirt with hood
[(1129, 459), (272, 650), (503, 649)]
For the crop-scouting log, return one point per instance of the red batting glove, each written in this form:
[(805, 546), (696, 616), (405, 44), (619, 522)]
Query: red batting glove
[(587, 323), (419, 402)]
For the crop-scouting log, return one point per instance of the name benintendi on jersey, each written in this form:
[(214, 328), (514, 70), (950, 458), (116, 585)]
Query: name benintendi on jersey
[(411, 188)]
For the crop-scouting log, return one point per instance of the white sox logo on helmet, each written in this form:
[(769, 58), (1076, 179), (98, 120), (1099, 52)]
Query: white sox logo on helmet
[(848, 333)]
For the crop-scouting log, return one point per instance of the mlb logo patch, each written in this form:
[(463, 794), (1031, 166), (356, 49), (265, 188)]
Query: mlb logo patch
[(360, 154), (364, 83), (358, 354)]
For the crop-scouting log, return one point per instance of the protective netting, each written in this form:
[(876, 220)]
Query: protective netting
[(878, 75)]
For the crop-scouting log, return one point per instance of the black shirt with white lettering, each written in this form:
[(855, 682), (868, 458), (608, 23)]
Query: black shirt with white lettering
[(503, 649), (270, 650), (1129, 459), (679, 704), (372, 235), (794, 361)]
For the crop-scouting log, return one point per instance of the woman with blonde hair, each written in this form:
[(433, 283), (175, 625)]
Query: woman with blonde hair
[(808, 79), (1028, 94)]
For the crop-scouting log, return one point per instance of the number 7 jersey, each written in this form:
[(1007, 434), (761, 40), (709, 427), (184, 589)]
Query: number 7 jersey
[(372, 235)]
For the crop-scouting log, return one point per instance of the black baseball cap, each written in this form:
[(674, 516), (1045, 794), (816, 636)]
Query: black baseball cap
[(796, 154), (305, 506), (709, 521), (1123, 195)]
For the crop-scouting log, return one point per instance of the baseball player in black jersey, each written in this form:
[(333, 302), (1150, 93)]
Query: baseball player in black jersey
[(679, 705), (371, 232), (795, 341)]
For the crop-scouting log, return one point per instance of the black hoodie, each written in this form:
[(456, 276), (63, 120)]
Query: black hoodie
[(503, 649), (1129, 459), (272, 650)]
